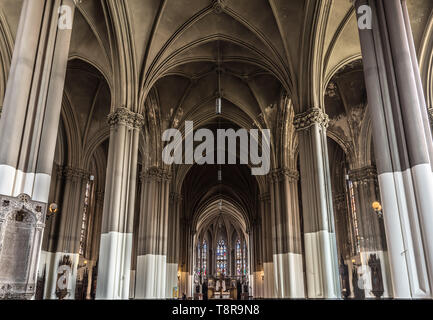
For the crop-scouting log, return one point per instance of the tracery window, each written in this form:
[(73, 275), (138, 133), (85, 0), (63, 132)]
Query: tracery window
[(198, 270), (204, 258), (238, 258), (244, 258), (221, 260), (354, 216), (84, 220)]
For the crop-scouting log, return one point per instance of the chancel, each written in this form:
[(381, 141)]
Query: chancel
[(335, 95)]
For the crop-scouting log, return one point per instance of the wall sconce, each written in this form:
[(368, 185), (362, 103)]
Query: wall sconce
[(83, 265), (262, 275), (178, 275), (52, 210), (377, 207)]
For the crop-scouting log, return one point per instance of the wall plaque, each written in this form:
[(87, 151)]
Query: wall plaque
[(21, 225)]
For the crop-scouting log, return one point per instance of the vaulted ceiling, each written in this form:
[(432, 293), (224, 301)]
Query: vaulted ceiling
[(162, 58)]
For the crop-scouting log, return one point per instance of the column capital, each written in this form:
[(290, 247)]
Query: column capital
[(282, 173), (155, 173), (364, 174), (126, 117), (71, 173), (307, 119)]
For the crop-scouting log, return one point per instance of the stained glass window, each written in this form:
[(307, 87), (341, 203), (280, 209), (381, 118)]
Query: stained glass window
[(84, 220), (198, 259), (221, 260), (204, 258), (238, 258), (244, 253)]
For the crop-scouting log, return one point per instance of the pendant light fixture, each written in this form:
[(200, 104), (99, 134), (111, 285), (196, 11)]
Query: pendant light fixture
[(218, 101)]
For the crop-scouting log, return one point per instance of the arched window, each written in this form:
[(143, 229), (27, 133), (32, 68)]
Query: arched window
[(85, 218), (221, 260), (198, 270), (245, 271), (204, 258), (238, 258)]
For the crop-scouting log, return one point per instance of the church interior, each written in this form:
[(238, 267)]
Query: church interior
[(89, 210)]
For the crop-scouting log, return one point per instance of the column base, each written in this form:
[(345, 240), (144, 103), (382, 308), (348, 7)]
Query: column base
[(150, 277), (290, 275), (114, 266)]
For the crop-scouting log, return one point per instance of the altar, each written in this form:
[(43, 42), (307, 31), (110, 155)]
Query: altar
[(222, 288)]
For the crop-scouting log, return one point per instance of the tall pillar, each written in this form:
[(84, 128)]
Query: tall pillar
[(256, 259), (403, 145), (173, 247), (319, 233), (114, 265), (287, 259), (64, 241), (28, 132), (268, 264), (151, 273)]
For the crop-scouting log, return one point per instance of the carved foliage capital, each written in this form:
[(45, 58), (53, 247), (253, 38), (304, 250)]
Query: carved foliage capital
[(282, 173), (305, 120), (363, 174), (155, 174), (126, 117), (71, 173)]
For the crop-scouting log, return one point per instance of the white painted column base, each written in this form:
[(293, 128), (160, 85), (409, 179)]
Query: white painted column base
[(289, 276), (151, 277), (407, 260), (258, 285), (171, 281), (322, 279), (114, 266), (268, 281)]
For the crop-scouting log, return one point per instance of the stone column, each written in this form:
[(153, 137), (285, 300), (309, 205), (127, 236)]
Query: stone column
[(268, 264), (174, 246), (29, 122), (287, 254), (319, 232), (403, 145), (151, 273), (257, 244), (114, 265), (371, 230), (64, 241)]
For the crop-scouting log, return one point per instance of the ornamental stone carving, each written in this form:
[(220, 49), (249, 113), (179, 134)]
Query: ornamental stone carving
[(281, 174), (126, 117), (218, 6), (22, 221), (155, 173), (70, 173), (309, 118), (366, 174)]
